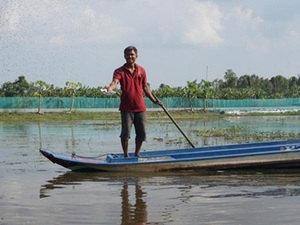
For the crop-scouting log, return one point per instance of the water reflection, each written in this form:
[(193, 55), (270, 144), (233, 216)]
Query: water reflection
[(30, 194), (136, 212), (132, 194), (164, 195)]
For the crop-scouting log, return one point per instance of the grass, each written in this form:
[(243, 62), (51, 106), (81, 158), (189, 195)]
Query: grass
[(152, 115), (76, 115), (57, 116)]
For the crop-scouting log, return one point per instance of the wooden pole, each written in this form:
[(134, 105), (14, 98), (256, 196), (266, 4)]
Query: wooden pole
[(166, 111)]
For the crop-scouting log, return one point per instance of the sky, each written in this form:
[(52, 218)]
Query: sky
[(178, 40)]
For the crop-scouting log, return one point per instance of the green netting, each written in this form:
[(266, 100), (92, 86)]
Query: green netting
[(106, 103), (246, 103), (58, 103)]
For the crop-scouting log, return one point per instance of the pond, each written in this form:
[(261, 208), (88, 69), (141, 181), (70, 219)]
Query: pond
[(35, 191)]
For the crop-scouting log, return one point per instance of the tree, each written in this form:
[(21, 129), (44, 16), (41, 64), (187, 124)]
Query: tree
[(255, 81), (21, 86), (192, 90), (18, 88), (208, 90), (294, 88), (267, 86), (42, 89), (166, 92), (243, 81), (230, 79), (280, 85), (8, 90), (70, 89)]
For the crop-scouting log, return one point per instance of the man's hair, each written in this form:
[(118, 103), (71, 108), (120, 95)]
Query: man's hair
[(130, 48)]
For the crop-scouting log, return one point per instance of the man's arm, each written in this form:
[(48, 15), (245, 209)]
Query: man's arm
[(149, 94), (113, 85), (109, 91)]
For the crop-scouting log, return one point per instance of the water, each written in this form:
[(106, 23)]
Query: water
[(35, 191)]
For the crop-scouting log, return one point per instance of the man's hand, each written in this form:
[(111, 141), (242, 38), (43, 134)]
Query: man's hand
[(158, 102), (106, 92)]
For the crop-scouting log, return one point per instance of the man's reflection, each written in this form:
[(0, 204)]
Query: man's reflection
[(134, 208), (133, 213)]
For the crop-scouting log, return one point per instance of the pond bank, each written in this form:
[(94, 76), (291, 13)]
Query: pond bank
[(111, 115), (76, 115)]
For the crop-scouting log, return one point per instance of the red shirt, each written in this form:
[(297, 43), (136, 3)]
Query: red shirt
[(132, 98)]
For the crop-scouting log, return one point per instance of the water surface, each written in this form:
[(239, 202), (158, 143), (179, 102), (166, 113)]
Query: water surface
[(35, 191)]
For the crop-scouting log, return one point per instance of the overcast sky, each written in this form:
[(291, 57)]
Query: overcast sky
[(178, 40)]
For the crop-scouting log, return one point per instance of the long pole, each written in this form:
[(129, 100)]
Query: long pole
[(166, 111)]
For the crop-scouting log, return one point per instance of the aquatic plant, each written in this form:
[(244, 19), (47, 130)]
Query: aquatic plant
[(242, 134)]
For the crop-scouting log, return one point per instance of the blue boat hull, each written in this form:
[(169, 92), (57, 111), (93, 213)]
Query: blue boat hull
[(274, 154)]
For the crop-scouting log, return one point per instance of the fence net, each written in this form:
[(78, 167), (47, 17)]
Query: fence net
[(170, 103)]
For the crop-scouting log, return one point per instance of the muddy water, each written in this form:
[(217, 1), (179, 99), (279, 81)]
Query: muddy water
[(35, 191)]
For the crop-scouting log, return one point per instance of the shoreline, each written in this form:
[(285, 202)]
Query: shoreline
[(65, 115)]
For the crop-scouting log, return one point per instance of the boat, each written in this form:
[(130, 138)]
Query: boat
[(268, 154)]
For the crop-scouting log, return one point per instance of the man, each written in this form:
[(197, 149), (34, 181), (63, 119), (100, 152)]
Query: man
[(133, 81)]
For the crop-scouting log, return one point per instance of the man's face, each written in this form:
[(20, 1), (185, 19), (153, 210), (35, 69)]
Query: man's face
[(130, 56)]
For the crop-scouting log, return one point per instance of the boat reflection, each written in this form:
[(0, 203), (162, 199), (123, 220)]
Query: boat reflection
[(133, 203), (132, 178), (172, 192), (278, 179)]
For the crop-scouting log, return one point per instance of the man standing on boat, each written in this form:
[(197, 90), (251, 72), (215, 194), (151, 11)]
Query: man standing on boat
[(133, 81)]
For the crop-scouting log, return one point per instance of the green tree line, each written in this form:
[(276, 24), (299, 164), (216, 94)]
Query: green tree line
[(231, 87)]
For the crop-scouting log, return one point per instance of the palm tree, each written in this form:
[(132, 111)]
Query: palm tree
[(41, 89), (192, 90), (207, 91), (71, 88)]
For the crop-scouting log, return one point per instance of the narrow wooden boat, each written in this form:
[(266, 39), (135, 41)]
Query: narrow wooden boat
[(272, 154)]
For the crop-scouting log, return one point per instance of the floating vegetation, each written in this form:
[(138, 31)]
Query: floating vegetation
[(220, 132), (222, 135), (174, 142), (158, 139), (241, 134)]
